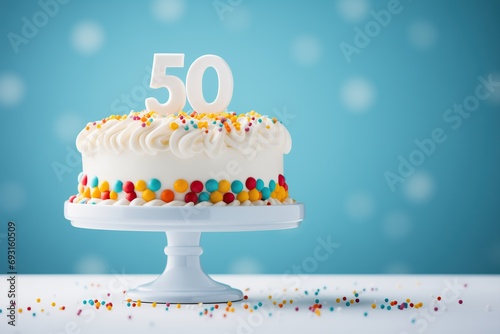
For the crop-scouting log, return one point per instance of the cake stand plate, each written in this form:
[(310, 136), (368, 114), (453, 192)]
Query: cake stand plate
[(183, 280)]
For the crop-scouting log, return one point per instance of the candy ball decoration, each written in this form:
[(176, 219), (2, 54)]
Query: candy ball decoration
[(167, 196), (131, 196), (196, 186), (228, 198), (216, 197), (118, 186), (250, 183), (191, 197), (154, 184), (272, 185), (180, 185), (140, 185), (224, 186), (128, 187), (281, 180), (236, 186), (211, 185), (204, 197)]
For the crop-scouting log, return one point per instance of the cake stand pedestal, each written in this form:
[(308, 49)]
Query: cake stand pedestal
[(183, 280)]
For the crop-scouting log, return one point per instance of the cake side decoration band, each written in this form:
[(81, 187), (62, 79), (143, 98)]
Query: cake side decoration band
[(250, 192)]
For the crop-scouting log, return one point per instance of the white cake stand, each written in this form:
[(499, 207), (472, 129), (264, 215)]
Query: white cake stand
[(183, 280)]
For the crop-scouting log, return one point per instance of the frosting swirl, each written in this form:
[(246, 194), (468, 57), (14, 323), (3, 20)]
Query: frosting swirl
[(185, 135)]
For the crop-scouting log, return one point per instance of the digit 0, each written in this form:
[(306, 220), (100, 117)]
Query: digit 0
[(194, 84)]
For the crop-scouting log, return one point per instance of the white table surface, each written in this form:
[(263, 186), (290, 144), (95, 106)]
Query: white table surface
[(479, 312)]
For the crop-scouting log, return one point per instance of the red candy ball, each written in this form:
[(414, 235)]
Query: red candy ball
[(84, 180), (72, 198), (105, 195), (191, 197), (131, 196), (286, 186), (250, 183), (196, 186), (128, 187), (281, 180), (228, 198)]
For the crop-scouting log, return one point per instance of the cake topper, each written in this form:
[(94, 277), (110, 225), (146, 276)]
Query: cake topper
[(194, 84)]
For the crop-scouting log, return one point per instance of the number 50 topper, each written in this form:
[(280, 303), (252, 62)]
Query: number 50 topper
[(194, 84)]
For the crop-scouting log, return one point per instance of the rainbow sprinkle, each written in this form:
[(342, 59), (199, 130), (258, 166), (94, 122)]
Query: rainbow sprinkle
[(226, 121)]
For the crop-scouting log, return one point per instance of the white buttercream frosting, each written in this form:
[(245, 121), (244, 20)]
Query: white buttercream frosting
[(151, 133)]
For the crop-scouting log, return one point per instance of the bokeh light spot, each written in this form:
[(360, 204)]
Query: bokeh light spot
[(359, 206), (246, 265), (422, 35), (358, 95), (396, 225), (398, 268), (306, 50), (91, 264), (12, 196), (168, 11), (87, 37), (419, 187), (237, 20), (353, 10), (494, 253), (68, 125), (11, 89)]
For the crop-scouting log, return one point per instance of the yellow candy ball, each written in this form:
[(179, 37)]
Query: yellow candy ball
[(113, 195), (174, 126), (242, 196), (273, 194), (181, 185), (81, 188), (96, 193), (86, 192), (224, 186), (253, 195), (216, 197), (140, 185), (104, 186), (148, 195)]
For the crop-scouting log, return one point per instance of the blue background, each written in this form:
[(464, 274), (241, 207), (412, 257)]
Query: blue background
[(350, 122)]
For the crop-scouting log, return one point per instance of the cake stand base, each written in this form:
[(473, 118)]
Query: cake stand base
[(183, 280)]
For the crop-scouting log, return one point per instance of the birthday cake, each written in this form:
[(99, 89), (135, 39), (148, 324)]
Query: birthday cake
[(151, 159)]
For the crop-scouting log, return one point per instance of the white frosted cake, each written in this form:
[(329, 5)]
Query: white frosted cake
[(151, 159)]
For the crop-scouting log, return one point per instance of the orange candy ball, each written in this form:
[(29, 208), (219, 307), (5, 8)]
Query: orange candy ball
[(167, 196)]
